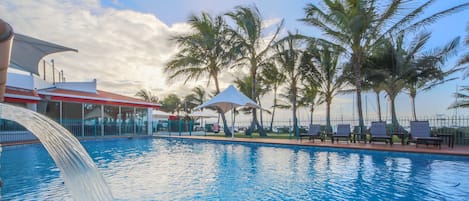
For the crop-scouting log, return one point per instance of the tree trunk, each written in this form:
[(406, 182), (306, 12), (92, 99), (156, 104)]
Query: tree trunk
[(295, 120), (328, 117), (395, 123), (255, 122), (379, 105), (273, 110), (261, 113), (413, 94), (357, 64), (311, 115)]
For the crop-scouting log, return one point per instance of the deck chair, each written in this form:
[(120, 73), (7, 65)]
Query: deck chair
[(343, 132), (420, 134), (378, 132), (314, 131)]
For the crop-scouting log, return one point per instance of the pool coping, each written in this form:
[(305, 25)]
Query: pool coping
[(458, 150)]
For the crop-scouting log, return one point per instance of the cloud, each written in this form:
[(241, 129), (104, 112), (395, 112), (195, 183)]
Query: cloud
[(124, 50)]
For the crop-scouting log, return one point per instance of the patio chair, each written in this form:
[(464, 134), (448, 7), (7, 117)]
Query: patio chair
[(420, 134), (314, 131), (378, 132), (343, 132)]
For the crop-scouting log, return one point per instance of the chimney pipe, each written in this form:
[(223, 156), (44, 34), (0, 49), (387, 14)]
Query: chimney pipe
[(6, 41)]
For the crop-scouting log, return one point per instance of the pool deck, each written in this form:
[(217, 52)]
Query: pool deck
[(459, 150)]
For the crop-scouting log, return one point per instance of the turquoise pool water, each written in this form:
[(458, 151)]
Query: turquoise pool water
[(181, 169)]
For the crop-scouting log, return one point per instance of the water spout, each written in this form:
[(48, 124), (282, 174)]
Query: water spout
[(78, 170), (6, 40)]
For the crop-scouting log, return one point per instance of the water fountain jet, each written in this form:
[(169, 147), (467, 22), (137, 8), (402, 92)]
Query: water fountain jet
[(78, 170)]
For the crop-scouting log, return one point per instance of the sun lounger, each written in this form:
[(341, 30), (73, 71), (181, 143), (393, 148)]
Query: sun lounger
[(378, 132), (420, 134), (343, 132), (314, 131)]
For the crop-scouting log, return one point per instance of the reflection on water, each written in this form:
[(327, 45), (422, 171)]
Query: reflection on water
[(79, 172), (161, 169)]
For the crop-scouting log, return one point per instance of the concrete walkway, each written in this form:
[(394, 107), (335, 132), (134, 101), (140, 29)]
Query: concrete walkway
[(397, 147)]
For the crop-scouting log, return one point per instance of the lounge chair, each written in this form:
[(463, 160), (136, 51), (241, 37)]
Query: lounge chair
[(343, 132), (378, 132), (314, 131), (420, 134)]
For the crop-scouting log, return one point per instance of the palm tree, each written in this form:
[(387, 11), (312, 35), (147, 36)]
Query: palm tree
[(272, 76), (428, 72), (359, 25), (398, 66), (462, 99), (310, 97), (464, 60), (249, 42), (147, 96), (171, 103), (324, 73), (199, 95), (289, 58), (205, 52)]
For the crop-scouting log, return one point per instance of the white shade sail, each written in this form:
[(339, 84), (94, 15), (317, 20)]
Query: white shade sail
[(203, 114), (27, 52), (228, 99), (160, 114)]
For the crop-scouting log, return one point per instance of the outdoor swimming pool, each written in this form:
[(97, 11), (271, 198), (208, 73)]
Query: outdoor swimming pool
[(182, 169)]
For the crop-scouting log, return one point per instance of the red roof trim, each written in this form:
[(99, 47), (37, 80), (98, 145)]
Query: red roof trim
[(82, 100), (19, 100)]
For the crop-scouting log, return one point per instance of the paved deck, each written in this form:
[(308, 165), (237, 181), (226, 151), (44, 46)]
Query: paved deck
[(459, 150)]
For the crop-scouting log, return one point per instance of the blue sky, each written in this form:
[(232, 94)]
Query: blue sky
[(125, 42), (444, 30)]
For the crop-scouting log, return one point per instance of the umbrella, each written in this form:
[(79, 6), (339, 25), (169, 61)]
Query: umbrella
[(229, 99)]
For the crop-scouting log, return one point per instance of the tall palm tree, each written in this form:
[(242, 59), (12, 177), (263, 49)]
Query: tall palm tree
[(462, 99), (289, 58), (273, 77), (199, 95), (359, 25), (310, 98), (171, 103), (147, 96), (324, 73), (428, 71), (464, 60), (204, 52), (401, 66), (249, 42)]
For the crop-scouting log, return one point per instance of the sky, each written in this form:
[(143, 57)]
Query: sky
[(124, 44)]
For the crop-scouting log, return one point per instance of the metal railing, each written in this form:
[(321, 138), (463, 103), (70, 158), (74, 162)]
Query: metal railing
[(13, 132)]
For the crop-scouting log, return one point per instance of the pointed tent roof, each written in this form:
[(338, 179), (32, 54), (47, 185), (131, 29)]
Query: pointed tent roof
[(27, 52), (229, 99)]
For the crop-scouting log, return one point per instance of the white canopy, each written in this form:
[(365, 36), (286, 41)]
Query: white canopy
[(27, 52), (160, 114), (203, 114), (228, 99)]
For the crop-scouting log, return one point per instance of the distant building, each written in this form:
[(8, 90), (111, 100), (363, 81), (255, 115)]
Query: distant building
[(78, 106)]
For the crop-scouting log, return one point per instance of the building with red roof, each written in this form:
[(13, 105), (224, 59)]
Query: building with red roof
[(78, 106)]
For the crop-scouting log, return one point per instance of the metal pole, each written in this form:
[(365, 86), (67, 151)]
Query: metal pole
[(53, 71), (44, 65)]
